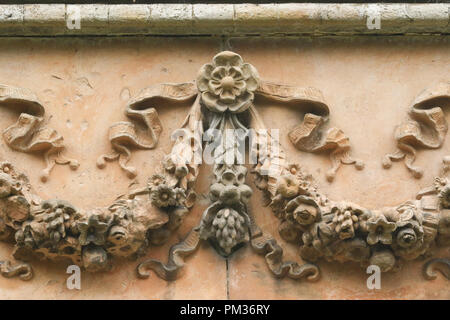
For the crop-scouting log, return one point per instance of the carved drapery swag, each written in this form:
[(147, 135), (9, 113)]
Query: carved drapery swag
[(223, 97)]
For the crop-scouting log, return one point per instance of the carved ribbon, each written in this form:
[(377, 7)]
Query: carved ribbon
[(29, 134), (144, 129), (442, 264), (426, 127), (309, 135), (23, 270), (170, 271), (265, 244)]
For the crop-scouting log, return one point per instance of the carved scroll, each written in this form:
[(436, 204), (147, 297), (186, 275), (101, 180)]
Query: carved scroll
[(29, 134), (426, 127), (442, 265), (144, 128)]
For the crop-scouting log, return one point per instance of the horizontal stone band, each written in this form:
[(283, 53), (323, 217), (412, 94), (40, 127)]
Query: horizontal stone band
[(222, 19)]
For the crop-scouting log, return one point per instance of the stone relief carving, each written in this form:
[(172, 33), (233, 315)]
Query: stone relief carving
[(320, 227), (425, 128), (223, 98), (29, 134)]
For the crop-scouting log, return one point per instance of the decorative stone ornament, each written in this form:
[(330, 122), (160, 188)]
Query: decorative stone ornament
[(227, 84), (223, 100)]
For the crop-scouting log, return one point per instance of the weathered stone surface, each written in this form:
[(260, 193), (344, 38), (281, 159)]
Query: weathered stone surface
[(213, 19), (225, 19), (171, 18)]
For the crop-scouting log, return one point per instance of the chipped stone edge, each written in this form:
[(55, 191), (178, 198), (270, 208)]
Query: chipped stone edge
[(223, 19)]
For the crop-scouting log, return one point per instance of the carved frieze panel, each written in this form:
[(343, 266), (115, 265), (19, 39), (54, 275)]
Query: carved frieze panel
[(223, 99)]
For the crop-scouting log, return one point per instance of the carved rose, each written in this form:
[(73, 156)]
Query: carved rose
[(406, 237), (227, 83), (410, 234), (380, 230), (303, 210)]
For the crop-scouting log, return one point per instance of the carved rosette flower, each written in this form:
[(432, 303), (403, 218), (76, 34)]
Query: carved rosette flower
[(92, 230), (227, 84), (163, 196), (380, 230)]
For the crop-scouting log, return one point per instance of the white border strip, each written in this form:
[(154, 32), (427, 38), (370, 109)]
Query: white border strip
[(224, 19)]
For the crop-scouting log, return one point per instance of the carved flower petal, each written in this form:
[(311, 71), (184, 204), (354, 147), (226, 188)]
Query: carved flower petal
[(385, 238), (372, 238), (242, 103), (218, 73), (227, 96), (203, 77), (240, 84), (236, 91), (251, 76), (228, 58), (211, 102), (236, 73), (215, 87), (252, 84)]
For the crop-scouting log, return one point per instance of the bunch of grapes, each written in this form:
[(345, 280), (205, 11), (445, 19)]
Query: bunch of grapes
[(229, 228)]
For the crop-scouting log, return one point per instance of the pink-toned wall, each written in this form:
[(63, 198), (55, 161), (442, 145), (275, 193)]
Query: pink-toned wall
[(84, 83)]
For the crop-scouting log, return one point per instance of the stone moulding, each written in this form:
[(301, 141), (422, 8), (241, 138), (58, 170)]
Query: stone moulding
[(224, 96), (223, 19)]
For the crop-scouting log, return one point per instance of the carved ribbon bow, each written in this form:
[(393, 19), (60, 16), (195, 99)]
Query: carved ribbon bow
[(228, 86)]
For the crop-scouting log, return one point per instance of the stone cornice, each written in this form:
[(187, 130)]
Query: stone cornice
[(224, 19)]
